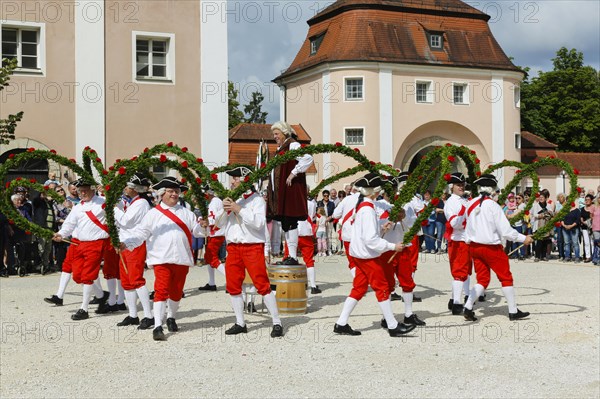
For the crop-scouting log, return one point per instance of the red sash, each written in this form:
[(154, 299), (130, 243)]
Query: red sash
[(384, 215), (178, 222), (313, 226), (362, 205), (475, 204), (95, 220)]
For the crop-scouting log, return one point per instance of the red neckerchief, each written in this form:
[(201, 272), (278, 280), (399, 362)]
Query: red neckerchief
[(177, 221), (246, 196)]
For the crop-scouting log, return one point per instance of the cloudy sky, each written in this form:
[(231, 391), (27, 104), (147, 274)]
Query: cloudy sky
[(265, 36)]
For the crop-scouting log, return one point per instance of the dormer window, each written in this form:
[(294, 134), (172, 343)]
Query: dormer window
[(436, 41), (315, 43)]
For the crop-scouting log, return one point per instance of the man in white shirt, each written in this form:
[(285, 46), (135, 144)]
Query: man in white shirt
[(127, 218), (167, 230), (215, 239), (458, 251), (366, 246), (87, 225), (344, 212), (486, 228), (244, 223)]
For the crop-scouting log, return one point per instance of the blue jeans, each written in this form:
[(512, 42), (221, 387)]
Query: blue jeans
[(571, 237), (515, 244), (440, 229), (430, 231), (560, 241), (596, 253)]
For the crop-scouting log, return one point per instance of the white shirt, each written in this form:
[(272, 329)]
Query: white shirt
[(489, 226), (129, 219), (247, 227), (366, 242), (79, 225), (452, 208), (304, 227), (417, 205), (321, 222), (215, 207), (304, 161), (166, 242), (346, 207)]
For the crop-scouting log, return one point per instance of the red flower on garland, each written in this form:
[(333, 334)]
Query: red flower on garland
[(98, 160), (7, 185), (473, 152), (372, 163), (357, 150), (11, 156), (338, 144), (200, 160), (424, 223), (576, 171), (448, 145), (87, 147), (184, 149), (549, 201), (183, 180), (122, 170), (477, 161), (214, 177), (537, 195), (281, 153), (107, 187), (104, 206), (557, 224), (46, 188), (92, 151), (118, 160), (303, 146), (53, 151), (262, 165), (32, 181), (579, 190), (105, 172), (552, 157), (184, 164), (134, 158), (435, 201), (423, 157), (478, 174), (451, 158), (163, 158), (198, 180), (19, 179), (27, 232), (517, 171), (170, 144), (447, 177), (247, 179), (111, 168), (526, 213), (10, 221), (73, 160), (146, 149), (572, 205)]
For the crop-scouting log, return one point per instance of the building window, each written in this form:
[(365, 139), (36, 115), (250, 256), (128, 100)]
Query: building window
[(424, 94), (315, 43), (436, 41), (354, 89), (24, 42), (517, 96), (154, 57), (159, 172), (518, 141), (355, 136), (460, 94)]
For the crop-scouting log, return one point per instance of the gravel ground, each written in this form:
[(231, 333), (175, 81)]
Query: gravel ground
[(554, 353)]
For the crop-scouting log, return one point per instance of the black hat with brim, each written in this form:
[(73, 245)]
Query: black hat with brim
[(370, 180), (457, 178), (486, 181), (81, 182), (170, 182), (240, 171), (139, 180)]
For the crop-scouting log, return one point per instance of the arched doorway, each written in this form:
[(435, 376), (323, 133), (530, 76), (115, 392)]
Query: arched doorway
[(33, 169)]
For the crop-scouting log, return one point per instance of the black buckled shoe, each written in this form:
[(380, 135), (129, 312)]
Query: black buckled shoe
[(395, 297), (158, 334), (457, 309), (345, 330), (401, 329), (450, 303), (146, 323), (121, 306), (414, 320), (55, 300), (236, 329), (172, 325), (315, 290), (384, 323), (469, 314), (277, 331), (290, 262), (105, 308), (518, 315), (129, 321), (482, 298), (208, 287), (98, 301), (80, 315)]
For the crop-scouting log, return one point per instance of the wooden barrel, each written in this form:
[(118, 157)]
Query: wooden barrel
[(291, 284)]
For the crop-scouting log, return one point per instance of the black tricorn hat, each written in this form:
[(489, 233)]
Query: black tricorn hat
[(486, 181), (240, 171), (170, 182), (457, 178), (370, 180), (140, 180), (81, 182)]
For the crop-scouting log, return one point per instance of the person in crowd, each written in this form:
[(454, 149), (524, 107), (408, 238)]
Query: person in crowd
[(329, 208), (596, 231), (321, 223), (45, 217), (287, 198), (73, 195), (333, 196), (61, 211), (429, 229), (558, 229), (586, 228), (486, 228), (570, 225), (52, 179), (541, 212), (517, 223), (440, 223), (215, 240)]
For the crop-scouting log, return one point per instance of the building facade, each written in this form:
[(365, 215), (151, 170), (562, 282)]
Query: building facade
[(395, 78), (117, 76)]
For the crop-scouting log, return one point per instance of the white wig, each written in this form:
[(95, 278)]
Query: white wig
[(487, 190), (368, 191), (284, 127)]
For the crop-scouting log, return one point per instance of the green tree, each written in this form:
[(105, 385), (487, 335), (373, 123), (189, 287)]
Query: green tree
[(563, 105), (8, 125), (235, 115), (253, 111)]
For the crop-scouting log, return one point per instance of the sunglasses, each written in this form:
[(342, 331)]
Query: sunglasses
[(60, 190)]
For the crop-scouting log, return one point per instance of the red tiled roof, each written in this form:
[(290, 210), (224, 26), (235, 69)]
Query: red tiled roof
[(245, 138), (396, 32), (530, 140)]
